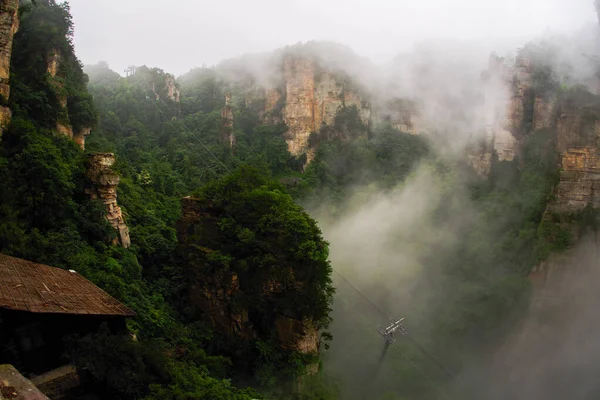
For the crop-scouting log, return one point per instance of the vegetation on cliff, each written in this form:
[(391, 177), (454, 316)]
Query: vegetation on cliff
[(267, 258), (250, 228)]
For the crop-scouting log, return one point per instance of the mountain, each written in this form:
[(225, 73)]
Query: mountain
[(456, 191)]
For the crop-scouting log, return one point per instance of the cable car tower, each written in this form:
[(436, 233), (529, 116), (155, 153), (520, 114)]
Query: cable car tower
[(388, 334)]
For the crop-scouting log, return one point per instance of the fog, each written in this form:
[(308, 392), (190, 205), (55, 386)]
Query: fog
[(178, 36), (433, 52)]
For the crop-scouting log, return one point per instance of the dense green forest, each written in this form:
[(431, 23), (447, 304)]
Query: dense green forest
[(168, 149), (163, 159)]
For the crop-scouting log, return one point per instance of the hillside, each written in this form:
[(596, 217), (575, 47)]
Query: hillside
[(263, 216)]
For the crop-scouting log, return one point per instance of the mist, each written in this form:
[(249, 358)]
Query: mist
[(180, 36), (386, 242)]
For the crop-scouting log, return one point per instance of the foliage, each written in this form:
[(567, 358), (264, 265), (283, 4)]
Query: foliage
[(44, 42), (253, 230), (384, 159)]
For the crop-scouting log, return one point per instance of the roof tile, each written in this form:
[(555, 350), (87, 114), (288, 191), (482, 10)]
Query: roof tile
[(29, 286)]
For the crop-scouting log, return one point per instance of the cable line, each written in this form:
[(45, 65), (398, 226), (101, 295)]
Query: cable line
[(397, 348), (194, 136), (388, 332), (183, 138)]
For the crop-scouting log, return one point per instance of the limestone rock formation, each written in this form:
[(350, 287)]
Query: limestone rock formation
[(313, 97), (53, 64), (79, 137), (479, 156), (172, 90), (543, 114), (267, 101), (216, 294), (402, 114), (104, 187), (579, 184), (63, 126), (521, 88), (564, 299), (227, 135), (306, 95), (9, 24)]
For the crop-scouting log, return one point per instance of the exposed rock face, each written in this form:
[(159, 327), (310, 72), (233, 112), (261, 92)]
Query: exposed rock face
[(172, 90), (521, 89), (509, 97), (404, 115), (63, 126), (313, 98), (104, 187), (216, 294), (563, 308), (227, 135), (308, 97), (9, 24), (267, 102), (579, 183), (543, 114), (578, 141), (53, 64), (299, 111), (80, 136), (297, 335), (505, 107)]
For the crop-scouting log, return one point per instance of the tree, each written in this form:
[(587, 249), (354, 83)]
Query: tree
[(250, 228)]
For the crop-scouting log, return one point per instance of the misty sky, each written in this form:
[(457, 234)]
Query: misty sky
[(179, 35)]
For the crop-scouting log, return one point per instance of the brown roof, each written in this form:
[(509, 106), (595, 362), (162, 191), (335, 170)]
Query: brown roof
[(28, 286)]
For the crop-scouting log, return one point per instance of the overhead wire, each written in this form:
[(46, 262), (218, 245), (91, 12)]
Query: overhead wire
[(196, 137), (385, 313), (394, 345), (364, 296), (420, 371), (183, 138)]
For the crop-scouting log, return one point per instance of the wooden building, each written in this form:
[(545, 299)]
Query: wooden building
[(40, 305)]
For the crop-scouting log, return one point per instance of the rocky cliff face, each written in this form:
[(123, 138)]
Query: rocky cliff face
[(63, 126), (217, 294), (313, 97), (104, 187), (227, 135), (402, 114), (308, 97), (523, 109), (172, 90), (562, 312), (9, 24)]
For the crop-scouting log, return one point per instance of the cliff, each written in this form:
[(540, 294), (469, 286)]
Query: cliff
[(171, 88), (402, 114), (63, 125), (229, 298), (104, 183), (313, 97), (9, 24), (306, 93), (227, 135), (562, 308)]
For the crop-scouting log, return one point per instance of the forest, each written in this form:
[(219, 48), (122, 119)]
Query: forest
[(263, 212)]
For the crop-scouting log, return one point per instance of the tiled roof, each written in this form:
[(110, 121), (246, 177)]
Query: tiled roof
[(38, 288)]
